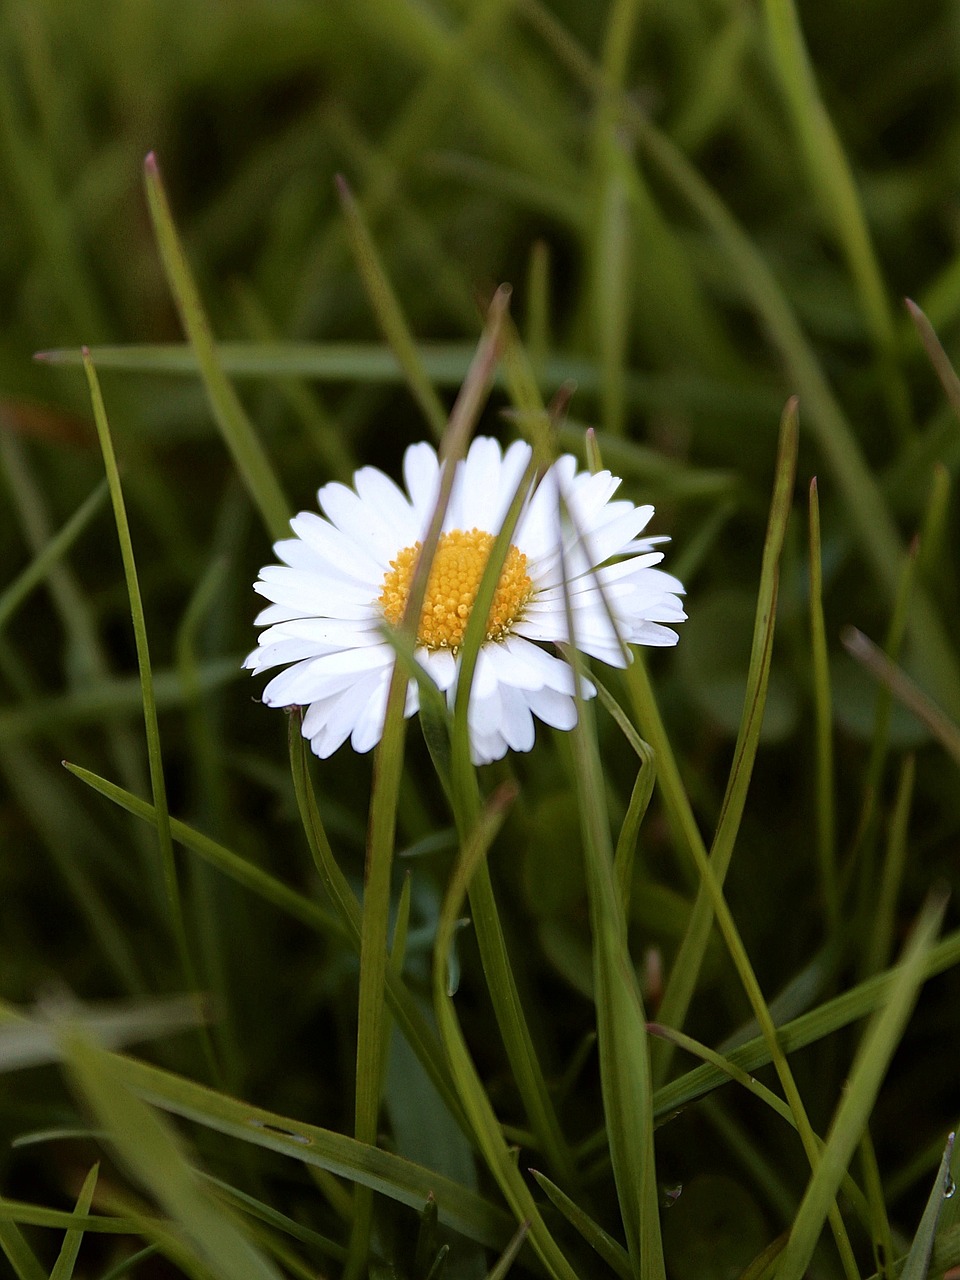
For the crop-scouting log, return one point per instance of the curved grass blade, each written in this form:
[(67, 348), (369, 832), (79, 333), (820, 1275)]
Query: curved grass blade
[(765, 1095), (246, 450)]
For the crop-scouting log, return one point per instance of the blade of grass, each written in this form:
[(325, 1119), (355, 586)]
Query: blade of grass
[(18, 1253), (860, 1001), (917, 1264), (611, 242), (246, 873), (67, 1257), (826, 809), (58, 546), (873, 1057), (626, 850), (683, 978), (880, 1234), (625, 1071), (476, 1102), (602, 1243), (907, 693), (388, 311), (239, 436), (511, 1020), (760, 1091), (885, 906), (943, 366), (506, 1260), (834, 186), (149, 1150), (388, 769), (151, 726)]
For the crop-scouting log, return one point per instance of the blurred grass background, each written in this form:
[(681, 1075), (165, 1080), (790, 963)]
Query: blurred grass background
[(703, 208)]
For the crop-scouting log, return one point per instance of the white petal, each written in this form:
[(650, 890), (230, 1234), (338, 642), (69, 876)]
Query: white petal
[(517, 726), (381, 496), (440, 665), (556, 709), (421, 474), (343, 556), (368, 728)]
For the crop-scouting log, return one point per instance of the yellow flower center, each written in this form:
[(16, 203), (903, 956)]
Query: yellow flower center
[(455, 574)]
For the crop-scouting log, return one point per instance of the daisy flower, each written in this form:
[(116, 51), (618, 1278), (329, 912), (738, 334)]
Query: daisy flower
[(347, 574)]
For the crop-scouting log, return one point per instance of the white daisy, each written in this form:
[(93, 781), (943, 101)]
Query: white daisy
[(345, 575)]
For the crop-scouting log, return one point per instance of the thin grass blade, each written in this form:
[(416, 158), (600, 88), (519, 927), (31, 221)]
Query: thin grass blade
[(873, 1057), (239, 436)]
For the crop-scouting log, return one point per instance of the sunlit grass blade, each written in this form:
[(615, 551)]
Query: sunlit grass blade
[(917, 1265), (151, 726), (603, 1244), (67, 1257), (58, 546), (147, 1147), (388, 311), (476, 1102), (246, 450), (873, 1057), (683, 978)]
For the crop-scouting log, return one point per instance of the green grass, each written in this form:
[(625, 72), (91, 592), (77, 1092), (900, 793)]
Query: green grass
[(244, 1028)]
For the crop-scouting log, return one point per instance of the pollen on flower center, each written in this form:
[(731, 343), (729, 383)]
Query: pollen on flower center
[(455, 575)]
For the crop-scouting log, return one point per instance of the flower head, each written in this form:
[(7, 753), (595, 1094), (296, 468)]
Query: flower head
[(347, 575)]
